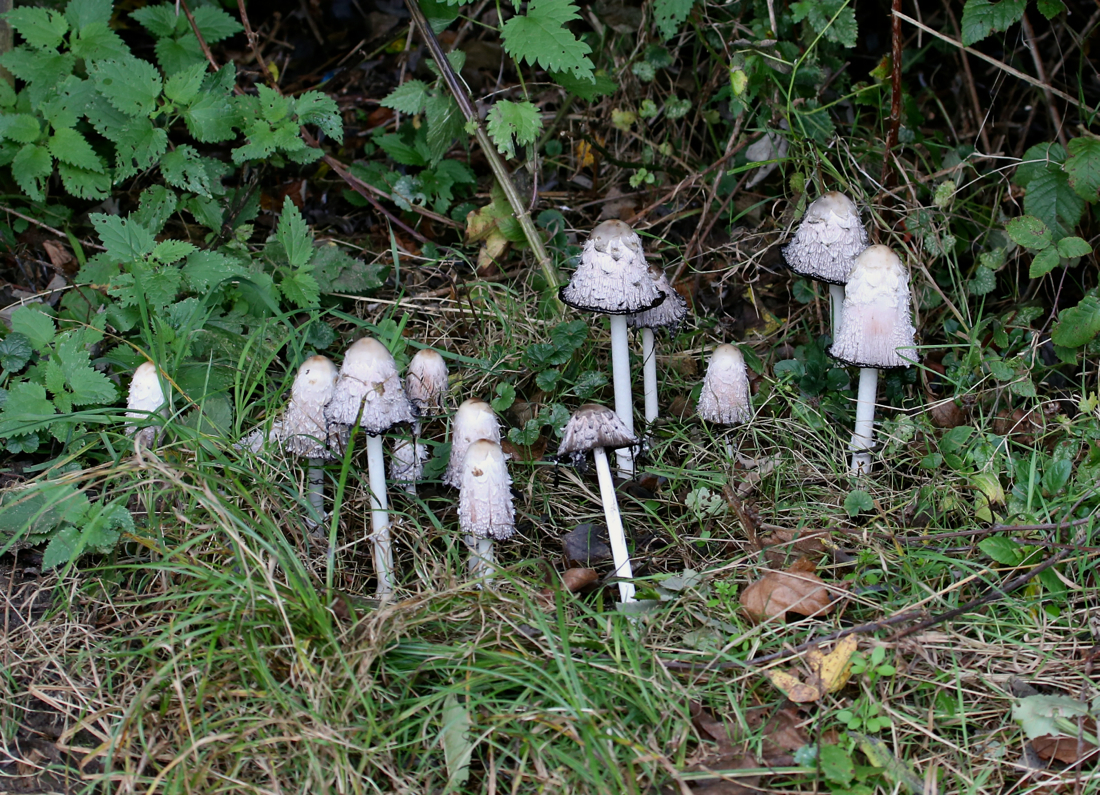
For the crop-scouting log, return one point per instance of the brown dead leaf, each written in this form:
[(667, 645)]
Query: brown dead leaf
[(778, 544), (1068, 750), (796, 590), (826, 673), (525, 452), (726, 756), (580, 580), (946, 413), (59, 255), (780, 731), (586, 544)]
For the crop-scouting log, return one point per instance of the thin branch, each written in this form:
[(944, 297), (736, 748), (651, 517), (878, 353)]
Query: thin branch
[(1029, 37), (888, 174)]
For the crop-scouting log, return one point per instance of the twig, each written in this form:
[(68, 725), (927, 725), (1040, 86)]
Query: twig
[(1029, 36), (47, 227), (888, 174), (254, 44), (688, 180), (198, 34), (697, 238), (972, 87)]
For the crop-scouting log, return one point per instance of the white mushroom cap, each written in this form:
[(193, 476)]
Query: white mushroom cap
[(876, 328), (593, 426), (145, 398), (369, 383), (304, 430), (407, 463), (829, 238), (612, 277), (474, 420), (669, 314), (426, 382), (725, 395), (485, 505)]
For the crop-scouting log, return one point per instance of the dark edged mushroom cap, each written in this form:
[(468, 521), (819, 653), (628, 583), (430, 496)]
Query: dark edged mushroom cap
[(369, 383), (669, 314), (876, 327), (612, 277), (828, 239), (485, 505), (594, 426), (725, 395)]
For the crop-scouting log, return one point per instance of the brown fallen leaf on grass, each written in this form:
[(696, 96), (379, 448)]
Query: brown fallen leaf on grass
[(827, 673), (578, 580), (796, 590), (728, 755), (778, 545), (1068, 750), (780, 732)]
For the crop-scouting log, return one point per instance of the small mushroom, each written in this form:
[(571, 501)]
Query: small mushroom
[(724, 398), (369, 392), (669, 314), (876, 333), (829, 238), (426, 382), (474, 420), (597, 428), (146, 399), (304, 430), (407, 462), (613, 279), (485, 510)]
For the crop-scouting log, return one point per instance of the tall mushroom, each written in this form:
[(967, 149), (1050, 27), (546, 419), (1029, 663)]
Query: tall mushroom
[(876, 333), (303, 428), (724, 398), (145, 399), (669, 314), (426, 386), (613, 279), (369, 392), (597, 428), (485, 510), (474, 420), (830, 237)]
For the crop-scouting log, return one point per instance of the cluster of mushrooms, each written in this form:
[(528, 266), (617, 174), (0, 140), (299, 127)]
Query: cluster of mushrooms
[(871, 326)]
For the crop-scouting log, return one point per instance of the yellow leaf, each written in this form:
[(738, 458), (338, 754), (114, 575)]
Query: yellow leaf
[(583, 152), (828, 673)]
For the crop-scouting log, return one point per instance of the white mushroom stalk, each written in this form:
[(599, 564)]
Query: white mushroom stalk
[(485, 510), (597, 429), (146, 398), (669, 314), (304, 430), (876, 334), (725, 398), (830, 237), (370, 392), (613, 279), (474, 420)]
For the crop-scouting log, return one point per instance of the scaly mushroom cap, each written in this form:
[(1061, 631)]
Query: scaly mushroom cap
[(474, 420), (593, 426), (612, 277), (304, 430), (485, 505), (876, 328), (725, 395), (426, 382), (369, 383), (830, 237), (407, 463), (145, 398), (668, 314)]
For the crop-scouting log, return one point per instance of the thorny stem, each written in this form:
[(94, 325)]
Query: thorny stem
[(500, 170), (888, 173)]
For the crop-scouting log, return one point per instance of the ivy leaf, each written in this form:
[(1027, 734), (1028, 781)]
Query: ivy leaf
[(1028, 232), (31, 168), (519, 119), (125, 239), (82, 13), (982, 17), (1051, 199), (34, 325), (41, 28), (69, 146), (409, 97), (1078, 325), (670, 14), (1083, 167), (541, 37), (131, 84), (294, 235)]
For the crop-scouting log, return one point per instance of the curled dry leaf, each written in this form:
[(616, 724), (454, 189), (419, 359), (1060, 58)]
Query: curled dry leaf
[(827, 673), (577, 580), (796, 590), (586, 544)]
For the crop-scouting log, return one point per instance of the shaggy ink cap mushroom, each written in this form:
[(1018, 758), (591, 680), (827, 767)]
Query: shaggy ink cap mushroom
[(475, 419), (145, 397), (593, 426), (303, 428), (668, 314), (612, 277), (485, 507), (876, 328), (725, 395), (369, 383), (426, 382), (828, 239)]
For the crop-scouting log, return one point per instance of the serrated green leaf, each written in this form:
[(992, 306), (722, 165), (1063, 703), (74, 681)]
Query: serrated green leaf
[(31, 168), (205, 270), (87, 385), (175, 55), (294, 236), (542, 37), (62, 548), (97, 41), (273, 105), (130, 84), (1050, 8), (261, 143), (393, 145), (1002, 549), (185, 169), (1051, 199), (1083, 167), (1036, 159), (982, 17), (38, 67), (210, 118), (82, 13), (42, 28), (155, 207), (1070, 247), (1028, 232), (670, 14), (1024, 387), (1078, 325), (125, 239), (216, 24), (183, 87), (169, 251), (35, 325), (300, 288), (20, 127), (321, 110), (445, 124), (338, 272), (409, 97), (1044, 262), (84, 184), (15, 352), (160, 20), (509, 123), (834, 20), (440, 14), (69, 146), (25, 409)]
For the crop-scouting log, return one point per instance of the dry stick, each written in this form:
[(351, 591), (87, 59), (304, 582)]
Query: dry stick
[(1029, 37), (972, 87), (888, 174), (696, 238), (500, 171)]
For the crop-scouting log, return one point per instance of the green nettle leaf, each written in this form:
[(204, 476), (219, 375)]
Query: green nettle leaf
[(835, 20), (1070, 247), (183, 87), (83, 183), (20, 127), (542, 37), (210, 118), (160, 20), (34, 325), (175, 55), (409, 97), (156, 207), (25, 409), (1050, 8), (300, 288), (42, 68), (126, 240), (205, 270), (15, 352), (314, 107), (41, 28), (69, 146), (1051, 199), (982, 17), (1078, 325), (169, 251), (216, 24), (130, 84), (401, 153), (88, 385), (97, 41), (1045, 261), (1083, 167), (184, 168), (82, 13), (338, 272), (31, 168), (601, 84), (273, 105), (670, 14), (294, 236), (520, 120), (1028, 232)]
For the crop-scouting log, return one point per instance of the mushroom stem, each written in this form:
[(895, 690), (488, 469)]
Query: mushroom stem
[(380, 517), (620, 372), (649, 375), (619, 555), (317, 489), (482, 559), (864, 437), (836, 293)]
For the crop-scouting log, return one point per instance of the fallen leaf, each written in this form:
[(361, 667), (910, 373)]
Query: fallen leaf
[(828, 673), (1054, 724), (793, 591), (577, 580), (525, 452), (896, 770), (778, 544), (1068, 750), (59, 255), (585, 545), (725, 757), (780, 733)]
